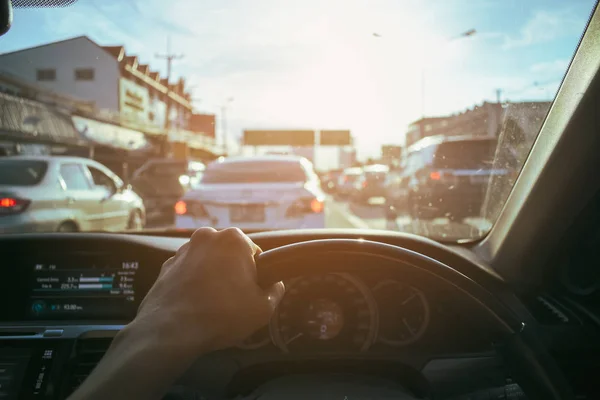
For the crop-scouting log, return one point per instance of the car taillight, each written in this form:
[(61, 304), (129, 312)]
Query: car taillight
[(317, 205), (442, 176), (181, 208), (435, 176), (193, 208), (305, 206), (12, 205)]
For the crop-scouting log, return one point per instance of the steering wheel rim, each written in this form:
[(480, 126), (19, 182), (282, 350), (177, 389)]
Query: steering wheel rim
[(545, 378)]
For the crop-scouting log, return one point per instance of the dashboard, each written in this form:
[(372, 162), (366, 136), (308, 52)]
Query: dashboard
[(65, 297)]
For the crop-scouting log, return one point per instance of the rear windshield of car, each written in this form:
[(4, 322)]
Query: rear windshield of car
[(254, 172), (22, 172), (375, 175), (453, 155)]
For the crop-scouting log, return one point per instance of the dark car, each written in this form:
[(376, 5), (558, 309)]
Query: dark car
[(329, 180), (346, 180), (371, 183), (395, 190), (449, 176), (161, 182)]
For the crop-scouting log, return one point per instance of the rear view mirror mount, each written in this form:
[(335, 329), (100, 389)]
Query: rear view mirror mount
[(6, 16)]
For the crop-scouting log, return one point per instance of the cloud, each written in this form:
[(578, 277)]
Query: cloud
[(545, 26), (550, 67), (316, 64)]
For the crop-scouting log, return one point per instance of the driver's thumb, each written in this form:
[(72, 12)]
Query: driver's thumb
[(275, 294)]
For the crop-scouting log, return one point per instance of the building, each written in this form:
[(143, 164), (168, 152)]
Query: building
[(32, 127), (428, 126), (484, 120), (391, 154), (204, 124), (113, 81)]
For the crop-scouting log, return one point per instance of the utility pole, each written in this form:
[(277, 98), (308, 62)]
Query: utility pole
[(170, 57), (224, 133), (224, 128), (498, 95)]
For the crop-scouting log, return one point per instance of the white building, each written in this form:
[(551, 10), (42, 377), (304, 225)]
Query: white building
[(105, 75)]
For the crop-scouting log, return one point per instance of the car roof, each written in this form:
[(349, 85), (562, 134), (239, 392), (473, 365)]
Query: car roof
[(439, 139), (353, 170)]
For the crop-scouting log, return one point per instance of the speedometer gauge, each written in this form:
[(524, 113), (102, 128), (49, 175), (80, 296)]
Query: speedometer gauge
[(326, 313), (403, 313)]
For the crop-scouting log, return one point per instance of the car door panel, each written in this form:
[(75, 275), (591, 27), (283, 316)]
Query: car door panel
[(115, 204), (84, 202)]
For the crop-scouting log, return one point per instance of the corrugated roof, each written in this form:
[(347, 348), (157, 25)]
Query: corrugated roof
[(32, 120)]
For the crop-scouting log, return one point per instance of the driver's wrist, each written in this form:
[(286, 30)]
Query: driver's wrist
[(169, 339)]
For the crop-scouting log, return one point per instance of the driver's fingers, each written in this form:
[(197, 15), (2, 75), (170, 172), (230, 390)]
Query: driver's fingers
[(275, 294), (237, 234)]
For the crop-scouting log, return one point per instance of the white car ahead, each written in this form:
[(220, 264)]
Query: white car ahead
[(255, 193)]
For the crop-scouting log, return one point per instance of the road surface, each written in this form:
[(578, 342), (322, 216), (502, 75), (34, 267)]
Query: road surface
[(344, 214)]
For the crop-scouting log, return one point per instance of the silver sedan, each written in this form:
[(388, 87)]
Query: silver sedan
[(64, 194)]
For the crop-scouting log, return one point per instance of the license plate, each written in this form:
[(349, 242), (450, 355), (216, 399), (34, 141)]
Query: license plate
[(247, 213), (479, 179)]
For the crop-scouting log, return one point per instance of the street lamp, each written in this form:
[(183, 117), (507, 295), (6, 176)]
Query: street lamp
[(224, 123)]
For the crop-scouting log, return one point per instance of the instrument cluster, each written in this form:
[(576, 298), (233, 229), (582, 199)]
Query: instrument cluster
[(338, 312)]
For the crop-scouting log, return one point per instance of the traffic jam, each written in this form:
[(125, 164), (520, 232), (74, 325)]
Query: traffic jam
[(432, 189)]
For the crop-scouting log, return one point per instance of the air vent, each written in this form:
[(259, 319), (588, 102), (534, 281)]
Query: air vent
[(547, 311), (88, 353)]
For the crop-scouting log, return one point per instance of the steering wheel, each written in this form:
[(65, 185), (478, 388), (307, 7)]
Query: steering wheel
[(535, 370)]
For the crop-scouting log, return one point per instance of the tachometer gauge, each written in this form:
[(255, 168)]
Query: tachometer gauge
[(403, 313), (325, 313), (257, 340)]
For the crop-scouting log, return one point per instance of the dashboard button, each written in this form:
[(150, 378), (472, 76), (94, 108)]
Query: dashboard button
[(53, 332)]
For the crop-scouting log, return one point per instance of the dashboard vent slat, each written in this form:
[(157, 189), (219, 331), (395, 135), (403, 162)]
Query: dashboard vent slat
[(88, 353), (548, 311)]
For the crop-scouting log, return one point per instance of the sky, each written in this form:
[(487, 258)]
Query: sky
[(371, 66)]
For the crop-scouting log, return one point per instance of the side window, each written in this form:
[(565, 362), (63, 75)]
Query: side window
[(74, 177), (101, 179), (410, 163), (48, 74)]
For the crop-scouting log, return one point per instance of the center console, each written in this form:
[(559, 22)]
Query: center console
[(59, 314)]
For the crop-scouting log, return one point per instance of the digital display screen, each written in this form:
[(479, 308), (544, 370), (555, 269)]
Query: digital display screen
[(85, 288)]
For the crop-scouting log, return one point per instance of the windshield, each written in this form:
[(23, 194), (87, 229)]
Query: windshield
[(22, 172), (410, 116), (254, 172)]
